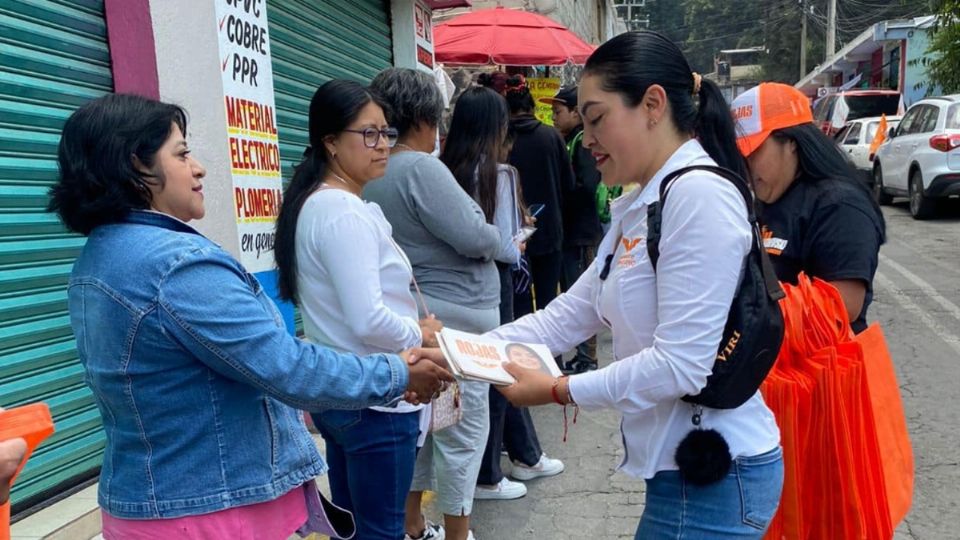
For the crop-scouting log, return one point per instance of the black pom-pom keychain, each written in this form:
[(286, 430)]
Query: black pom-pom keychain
[(703, 456)]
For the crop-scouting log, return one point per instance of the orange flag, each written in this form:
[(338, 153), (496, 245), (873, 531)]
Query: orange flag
[(880, 136)]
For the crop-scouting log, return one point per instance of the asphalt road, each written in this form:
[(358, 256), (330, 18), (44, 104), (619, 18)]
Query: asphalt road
[(917, 300)]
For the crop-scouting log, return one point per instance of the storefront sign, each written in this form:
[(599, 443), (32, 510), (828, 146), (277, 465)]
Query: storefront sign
[(541, 88), (423, 27), (251, 127)]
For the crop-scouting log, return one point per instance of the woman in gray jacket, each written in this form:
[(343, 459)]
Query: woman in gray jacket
[(451, 248)]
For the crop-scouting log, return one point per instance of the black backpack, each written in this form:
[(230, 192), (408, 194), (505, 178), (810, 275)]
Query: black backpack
[(754, 330)]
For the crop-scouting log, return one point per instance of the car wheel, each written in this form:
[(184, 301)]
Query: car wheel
[(879, 194), (921, 206)]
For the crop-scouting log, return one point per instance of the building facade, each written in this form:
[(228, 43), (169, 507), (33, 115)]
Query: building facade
[(886, 55)]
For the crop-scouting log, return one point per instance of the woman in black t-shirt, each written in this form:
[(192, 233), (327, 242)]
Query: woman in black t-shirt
[(816, 216)]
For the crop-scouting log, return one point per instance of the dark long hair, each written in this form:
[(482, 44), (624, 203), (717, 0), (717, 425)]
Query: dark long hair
[(819, 158), (631, 62), (334, 106), (473, 145), (518, 95), (99, 182)]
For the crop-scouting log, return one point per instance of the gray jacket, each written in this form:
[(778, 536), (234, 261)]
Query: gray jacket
[(441, 229)]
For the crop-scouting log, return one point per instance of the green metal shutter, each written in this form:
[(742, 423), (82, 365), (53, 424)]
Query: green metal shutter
[(313, 42), (53, 58)]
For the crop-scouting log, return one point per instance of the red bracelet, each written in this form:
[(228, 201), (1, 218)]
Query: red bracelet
[(554, 393)]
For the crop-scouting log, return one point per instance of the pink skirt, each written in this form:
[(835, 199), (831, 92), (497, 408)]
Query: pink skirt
[(271, 520)]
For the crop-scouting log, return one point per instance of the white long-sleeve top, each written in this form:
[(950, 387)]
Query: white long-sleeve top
[(353, 280), (667, 324), (507, 216)]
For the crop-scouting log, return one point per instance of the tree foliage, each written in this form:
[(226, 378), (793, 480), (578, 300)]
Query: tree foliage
[(702, 28), (943, 54)]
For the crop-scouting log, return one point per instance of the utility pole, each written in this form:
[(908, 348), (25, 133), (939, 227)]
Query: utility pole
[(831, 29), (803, 38)]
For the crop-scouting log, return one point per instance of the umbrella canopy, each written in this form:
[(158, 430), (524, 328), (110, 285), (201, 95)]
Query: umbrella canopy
[(507, 37)]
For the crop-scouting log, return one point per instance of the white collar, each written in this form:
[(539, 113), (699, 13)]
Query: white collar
[(685, 155)]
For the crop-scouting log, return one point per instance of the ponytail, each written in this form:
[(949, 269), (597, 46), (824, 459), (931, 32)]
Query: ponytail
[(307, 178), (631, 62), (716, 131), (334, 106)]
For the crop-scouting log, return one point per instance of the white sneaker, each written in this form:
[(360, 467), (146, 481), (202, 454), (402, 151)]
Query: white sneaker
[(545, 467), (503, 491), (431, 532)]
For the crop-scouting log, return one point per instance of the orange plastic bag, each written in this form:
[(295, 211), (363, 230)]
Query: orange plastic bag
[(891, 422), (848, 464), (33, 423)]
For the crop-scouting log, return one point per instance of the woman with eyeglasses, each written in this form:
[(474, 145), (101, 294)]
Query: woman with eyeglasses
[(338, 262), (452, 248)]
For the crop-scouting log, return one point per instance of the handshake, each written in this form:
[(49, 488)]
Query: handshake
[(429, 374)]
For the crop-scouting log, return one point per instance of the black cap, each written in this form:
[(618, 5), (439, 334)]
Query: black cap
[(566, 96)]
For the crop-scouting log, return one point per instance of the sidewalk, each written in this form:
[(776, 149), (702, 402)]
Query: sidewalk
[(588, 500)]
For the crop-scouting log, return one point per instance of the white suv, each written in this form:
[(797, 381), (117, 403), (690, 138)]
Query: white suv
[(856, 138), (921, 159)]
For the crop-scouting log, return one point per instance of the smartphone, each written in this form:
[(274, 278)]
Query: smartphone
[(535, 209), (524, 234)]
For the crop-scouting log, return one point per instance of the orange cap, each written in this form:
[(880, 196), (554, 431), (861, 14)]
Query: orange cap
[(765, 108)]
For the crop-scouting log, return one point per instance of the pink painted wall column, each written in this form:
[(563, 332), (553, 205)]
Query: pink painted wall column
[(133, 53)]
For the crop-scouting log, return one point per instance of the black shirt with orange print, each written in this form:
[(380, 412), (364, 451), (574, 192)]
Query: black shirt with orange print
[(827, 229)]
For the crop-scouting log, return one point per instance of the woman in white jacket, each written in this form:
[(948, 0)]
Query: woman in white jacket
[(337, 259), (646, 115)]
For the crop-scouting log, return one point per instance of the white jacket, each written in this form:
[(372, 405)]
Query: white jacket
[(666, 325)]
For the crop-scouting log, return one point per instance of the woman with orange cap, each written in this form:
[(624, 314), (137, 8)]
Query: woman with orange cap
[(817, 217)]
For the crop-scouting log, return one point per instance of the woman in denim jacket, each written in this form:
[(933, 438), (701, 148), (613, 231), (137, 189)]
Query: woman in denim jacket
[(195, 377)]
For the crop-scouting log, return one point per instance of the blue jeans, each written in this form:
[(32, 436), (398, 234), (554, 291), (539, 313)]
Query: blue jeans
[(371, 456), (739, 506)]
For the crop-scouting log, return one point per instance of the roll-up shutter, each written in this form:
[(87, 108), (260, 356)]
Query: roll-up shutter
[(313, 42), (53, 58)]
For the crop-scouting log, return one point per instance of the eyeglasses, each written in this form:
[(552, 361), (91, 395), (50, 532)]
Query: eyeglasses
[(371, 136)]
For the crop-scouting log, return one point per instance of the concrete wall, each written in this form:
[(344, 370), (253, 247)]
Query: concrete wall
[(593, 20), (583, 17), (404, 30), (188, 68), (916, 72)]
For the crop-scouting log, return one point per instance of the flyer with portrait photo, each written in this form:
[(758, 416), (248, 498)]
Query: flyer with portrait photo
[(476, 358)]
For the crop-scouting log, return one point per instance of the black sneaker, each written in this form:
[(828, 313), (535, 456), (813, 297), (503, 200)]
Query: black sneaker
[(581, 365)]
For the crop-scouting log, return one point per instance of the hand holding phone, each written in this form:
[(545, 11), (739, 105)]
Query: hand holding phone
[(524, 234)]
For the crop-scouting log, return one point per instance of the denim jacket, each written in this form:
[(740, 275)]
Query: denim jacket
[(195, 376)]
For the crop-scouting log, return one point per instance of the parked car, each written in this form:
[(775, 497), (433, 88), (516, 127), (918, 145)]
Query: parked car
[(856, 138), (921, 159), (835, 110)]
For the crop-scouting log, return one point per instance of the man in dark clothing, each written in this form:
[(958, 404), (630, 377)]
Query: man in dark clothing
[(540, 156), (581, 222)]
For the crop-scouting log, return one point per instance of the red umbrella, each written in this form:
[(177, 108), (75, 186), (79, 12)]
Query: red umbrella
[(508, 37)]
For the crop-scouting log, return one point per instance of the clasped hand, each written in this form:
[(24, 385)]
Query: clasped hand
[(429, 374)]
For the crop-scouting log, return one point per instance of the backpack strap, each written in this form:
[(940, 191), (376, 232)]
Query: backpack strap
[(655, 212), (572, 145)]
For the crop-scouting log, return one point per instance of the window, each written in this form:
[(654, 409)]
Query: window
[(853, 134), (871, 131), (953, 116), (864, 106), (906, 125), (841, 134), (930, 121), (634, 13), (925, 119)]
